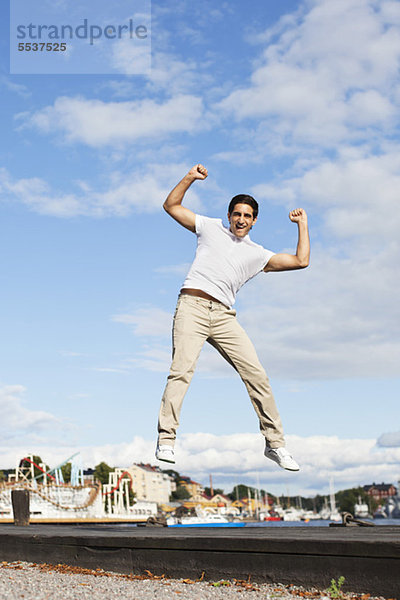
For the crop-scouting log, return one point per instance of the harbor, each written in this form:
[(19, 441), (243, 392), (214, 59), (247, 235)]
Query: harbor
[(139, 492)]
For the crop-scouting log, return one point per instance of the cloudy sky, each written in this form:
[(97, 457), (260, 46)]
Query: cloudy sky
[(296, 103)]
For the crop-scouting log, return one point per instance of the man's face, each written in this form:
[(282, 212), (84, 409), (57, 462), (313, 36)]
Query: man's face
[(241, 220)]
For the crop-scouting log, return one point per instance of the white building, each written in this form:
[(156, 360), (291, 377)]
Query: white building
[(150, 484)]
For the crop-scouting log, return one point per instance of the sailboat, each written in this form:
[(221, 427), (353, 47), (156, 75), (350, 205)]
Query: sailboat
[(335, 514)]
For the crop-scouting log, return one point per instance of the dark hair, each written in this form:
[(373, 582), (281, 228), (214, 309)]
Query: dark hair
[(243, 199)]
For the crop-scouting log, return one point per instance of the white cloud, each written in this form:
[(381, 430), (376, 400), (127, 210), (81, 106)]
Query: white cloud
[(142, 192), (337, 319), (356, 194), (19, 422), (121, 89), (153, 326), (157, 357), (327, 82), (37, 194), (97, 123), (328, 74), (389, 440), (131, 58), (17, 88), (370, 108), (340, 317), (149, 321), (154, 358), (171, 73), (239, 458), (109, 370)]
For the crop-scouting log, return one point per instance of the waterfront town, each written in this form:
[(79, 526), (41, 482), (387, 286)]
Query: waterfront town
[(143, 491)]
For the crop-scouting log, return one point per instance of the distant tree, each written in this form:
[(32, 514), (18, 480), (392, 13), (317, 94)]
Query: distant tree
[(318, 502), (101, 472), (66, 472), (132, 496), (2, 476), (174, 474), (346, 499), (207, 491), (241, 491), (264, 495), (38, 461), (181, 493)]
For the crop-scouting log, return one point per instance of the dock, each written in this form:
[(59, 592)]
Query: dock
[(368, 558)]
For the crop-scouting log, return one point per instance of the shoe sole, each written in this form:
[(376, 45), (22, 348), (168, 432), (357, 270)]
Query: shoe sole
[(172, 462), (281, 466)]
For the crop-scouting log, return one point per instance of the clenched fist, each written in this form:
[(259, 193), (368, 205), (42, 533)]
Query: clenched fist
[(298, 215), (198, 172)]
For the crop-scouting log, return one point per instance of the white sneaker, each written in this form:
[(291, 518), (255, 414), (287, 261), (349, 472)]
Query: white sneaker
[(165, 453), (282, 457)]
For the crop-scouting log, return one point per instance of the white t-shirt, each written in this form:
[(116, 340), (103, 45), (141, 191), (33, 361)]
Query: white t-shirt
[(223, 261)]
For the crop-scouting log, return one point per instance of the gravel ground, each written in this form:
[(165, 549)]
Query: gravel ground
[(61, 582)]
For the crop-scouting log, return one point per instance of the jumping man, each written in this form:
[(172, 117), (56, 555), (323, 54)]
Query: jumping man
[(225, 259)]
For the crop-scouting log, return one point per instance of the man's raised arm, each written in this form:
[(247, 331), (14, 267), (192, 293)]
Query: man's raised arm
[(300, 260), (173, 203)]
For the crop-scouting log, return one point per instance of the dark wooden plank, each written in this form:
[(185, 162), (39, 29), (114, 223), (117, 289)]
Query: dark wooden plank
[(369, 558), (20, 505)]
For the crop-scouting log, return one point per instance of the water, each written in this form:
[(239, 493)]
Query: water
[(317, 523)]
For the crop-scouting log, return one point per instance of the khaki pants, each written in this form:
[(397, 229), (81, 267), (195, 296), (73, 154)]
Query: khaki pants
[(197, 320)]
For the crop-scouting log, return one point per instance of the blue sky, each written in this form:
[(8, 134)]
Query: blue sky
[(294, 102)]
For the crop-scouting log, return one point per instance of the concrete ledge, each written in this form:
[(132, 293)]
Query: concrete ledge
[(369, 558)]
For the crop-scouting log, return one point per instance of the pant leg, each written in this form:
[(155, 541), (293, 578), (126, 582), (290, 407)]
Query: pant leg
[(230, 339), (190, 331)]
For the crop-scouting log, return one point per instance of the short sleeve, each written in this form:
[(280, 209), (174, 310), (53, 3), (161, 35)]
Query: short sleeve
[(203, 224), (199, 223), (268, 254)]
